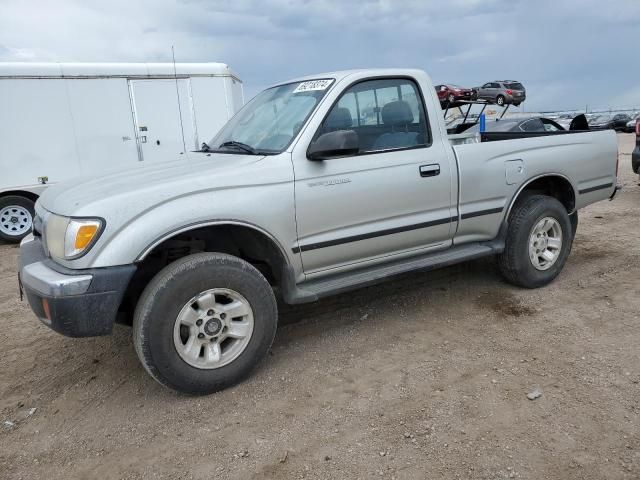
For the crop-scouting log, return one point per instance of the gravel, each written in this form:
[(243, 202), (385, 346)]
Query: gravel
[(349, 377)]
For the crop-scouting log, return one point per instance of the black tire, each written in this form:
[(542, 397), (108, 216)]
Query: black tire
[(451, 98), (516, 104), (515, 264), (500, 100), (170, 290), (23, 203)]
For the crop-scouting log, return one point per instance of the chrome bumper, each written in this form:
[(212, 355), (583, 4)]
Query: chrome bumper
[(39, 277), (75, 303)]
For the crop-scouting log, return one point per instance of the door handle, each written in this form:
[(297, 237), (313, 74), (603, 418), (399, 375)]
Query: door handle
[(430, 170)]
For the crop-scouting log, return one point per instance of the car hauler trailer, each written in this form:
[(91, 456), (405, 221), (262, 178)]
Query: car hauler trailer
[(62, 120)]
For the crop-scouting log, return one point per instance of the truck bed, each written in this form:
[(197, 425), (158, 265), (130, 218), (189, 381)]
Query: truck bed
[(486, 163), (484, 137)]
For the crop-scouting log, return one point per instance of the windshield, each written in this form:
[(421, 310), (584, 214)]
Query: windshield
[(600, 118), (269, 122)]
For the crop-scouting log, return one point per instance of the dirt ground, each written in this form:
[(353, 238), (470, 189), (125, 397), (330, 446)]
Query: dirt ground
[(425, 377)]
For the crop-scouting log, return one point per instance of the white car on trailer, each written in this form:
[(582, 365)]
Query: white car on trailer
[(63, 120)]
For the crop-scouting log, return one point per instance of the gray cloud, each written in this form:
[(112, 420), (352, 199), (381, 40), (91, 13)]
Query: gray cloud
[(568, 54)]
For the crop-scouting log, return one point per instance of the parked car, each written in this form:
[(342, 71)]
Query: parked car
[(62, 120), (297, 197), (535, 124), (635, 155), (620, 121), (449, 95), (631, 124), (502, 92), (602, 121)]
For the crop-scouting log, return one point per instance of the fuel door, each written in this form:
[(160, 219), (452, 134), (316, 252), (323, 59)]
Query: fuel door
[(514, 171)]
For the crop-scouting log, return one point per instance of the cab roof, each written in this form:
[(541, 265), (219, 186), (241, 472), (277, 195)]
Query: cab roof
[(357, 74)]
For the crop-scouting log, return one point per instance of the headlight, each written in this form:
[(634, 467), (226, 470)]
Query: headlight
[(68, 238)]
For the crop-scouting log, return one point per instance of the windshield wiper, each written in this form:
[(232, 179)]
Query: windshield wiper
[(239, 145)]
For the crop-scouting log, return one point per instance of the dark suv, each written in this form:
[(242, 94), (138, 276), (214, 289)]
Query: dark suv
[(620, 121), (502, 92)]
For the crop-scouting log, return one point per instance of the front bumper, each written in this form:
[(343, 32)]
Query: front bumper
[(75, 303)]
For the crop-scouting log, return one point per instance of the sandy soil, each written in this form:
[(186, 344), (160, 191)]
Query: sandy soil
[(424, 377)]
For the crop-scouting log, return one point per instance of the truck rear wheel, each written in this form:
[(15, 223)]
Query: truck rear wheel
[(16, 217), (204, 322), (539, 239)]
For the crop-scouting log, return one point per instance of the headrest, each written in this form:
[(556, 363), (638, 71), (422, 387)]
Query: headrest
[(397, 113), (579, 123), (339, 118)]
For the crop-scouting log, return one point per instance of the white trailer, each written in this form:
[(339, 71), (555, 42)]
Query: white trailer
[(62, 120)]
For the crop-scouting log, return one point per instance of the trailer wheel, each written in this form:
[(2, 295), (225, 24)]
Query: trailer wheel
[(539, 240), (204, 322), (16, 217), (500, 100)]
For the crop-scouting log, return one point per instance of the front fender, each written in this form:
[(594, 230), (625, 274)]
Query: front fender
[(270, 211)]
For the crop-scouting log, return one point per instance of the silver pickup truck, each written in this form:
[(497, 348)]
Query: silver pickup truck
[(317, 186)]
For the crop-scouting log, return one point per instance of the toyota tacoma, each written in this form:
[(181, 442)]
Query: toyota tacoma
[(317, 186)]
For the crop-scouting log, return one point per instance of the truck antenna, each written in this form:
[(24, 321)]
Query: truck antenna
[(175, 77)]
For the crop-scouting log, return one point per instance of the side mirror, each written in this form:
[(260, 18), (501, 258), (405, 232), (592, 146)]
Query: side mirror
[(334, 144)]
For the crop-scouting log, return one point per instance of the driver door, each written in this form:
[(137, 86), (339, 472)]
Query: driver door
[(392, 197)]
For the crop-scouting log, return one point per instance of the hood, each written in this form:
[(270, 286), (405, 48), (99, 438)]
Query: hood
[(145, 184)]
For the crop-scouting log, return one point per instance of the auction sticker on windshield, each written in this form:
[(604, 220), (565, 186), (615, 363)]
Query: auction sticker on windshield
[(313, 85)]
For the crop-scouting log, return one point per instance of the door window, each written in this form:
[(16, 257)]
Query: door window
[(387, 114)]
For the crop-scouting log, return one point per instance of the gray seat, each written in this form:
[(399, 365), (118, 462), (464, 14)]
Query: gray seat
[(339, 118), (398, 116)]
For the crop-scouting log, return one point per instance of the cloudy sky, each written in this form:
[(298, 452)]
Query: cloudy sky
[(568, 53)]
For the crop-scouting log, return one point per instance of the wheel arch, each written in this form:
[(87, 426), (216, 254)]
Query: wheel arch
[(211, 224), (555, 185), (20, 193), (243, 240)]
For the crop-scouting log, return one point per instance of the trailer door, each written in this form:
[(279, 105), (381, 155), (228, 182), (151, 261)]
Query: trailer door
[(163, 118)]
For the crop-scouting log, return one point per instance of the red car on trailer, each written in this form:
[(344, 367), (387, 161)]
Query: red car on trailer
[(450, 95)]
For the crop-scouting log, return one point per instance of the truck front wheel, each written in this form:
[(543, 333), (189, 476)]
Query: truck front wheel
[(204, 322), (539, 239), (16, 217)]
